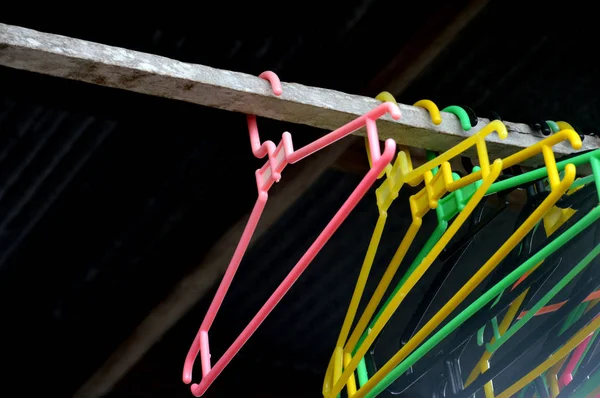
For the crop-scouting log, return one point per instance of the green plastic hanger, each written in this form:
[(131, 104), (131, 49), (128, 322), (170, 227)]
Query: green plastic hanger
[(593, 158), (448, 207), (461, 114), (444, 216)]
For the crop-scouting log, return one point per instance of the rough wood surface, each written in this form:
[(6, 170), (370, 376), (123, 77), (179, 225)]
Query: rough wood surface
[(104, 65)]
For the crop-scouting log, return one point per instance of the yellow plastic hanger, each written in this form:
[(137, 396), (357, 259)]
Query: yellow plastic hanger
[(402, 166), (558, 188), (421, 203), (564, 126), (552, 221), (435, 187), (553, 359), (559, 216), (483, 364)]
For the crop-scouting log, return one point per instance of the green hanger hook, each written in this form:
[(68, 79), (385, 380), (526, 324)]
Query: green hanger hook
[(461, 114)]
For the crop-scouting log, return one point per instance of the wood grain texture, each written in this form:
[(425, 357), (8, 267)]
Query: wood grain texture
[(104, 65)]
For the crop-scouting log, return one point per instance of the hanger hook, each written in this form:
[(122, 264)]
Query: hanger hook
[(260, 150), (432, 108), (462, 115), (553, 126), (565, 125), (272, 78)]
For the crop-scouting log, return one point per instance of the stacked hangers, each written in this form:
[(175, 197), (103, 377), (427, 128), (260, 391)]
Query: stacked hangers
[(455, 199), (551, 200)]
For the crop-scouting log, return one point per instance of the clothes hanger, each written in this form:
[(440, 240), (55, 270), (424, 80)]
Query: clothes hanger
[(450, 367), (520, 300), (575, 360), (462, 112), (428, 198), (506, 322), (581, 377), (529, 290), (278, 157), (448, 348), (555, 389), (450, 260), (403, 166), (569, 369), (456, 201), (507, 299), (462, 343), (572, 274), (444, 216), (554, 358), (386, 375), (558, 189), (564, 125), (514, 307), (467, 121), (419, 207), (552, 324), (485, 297), (496, 325), (588, 350), (447, 209), (535, 195), (567, 375), (570, 205), (532, 335)]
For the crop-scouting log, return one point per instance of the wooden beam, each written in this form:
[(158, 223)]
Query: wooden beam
[(154, 75), (425, 45), (193, 286)]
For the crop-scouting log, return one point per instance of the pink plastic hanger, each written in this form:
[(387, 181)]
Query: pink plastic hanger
[(279, 157), (567, 375)]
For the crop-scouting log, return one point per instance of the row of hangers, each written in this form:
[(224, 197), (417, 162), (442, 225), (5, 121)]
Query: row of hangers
[(349, 352), (557, 202)]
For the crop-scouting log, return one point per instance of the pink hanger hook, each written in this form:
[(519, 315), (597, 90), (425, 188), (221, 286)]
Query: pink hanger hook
[(274, 80), (268, 147)]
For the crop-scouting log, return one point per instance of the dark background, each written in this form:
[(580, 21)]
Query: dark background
[(102, 209)]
